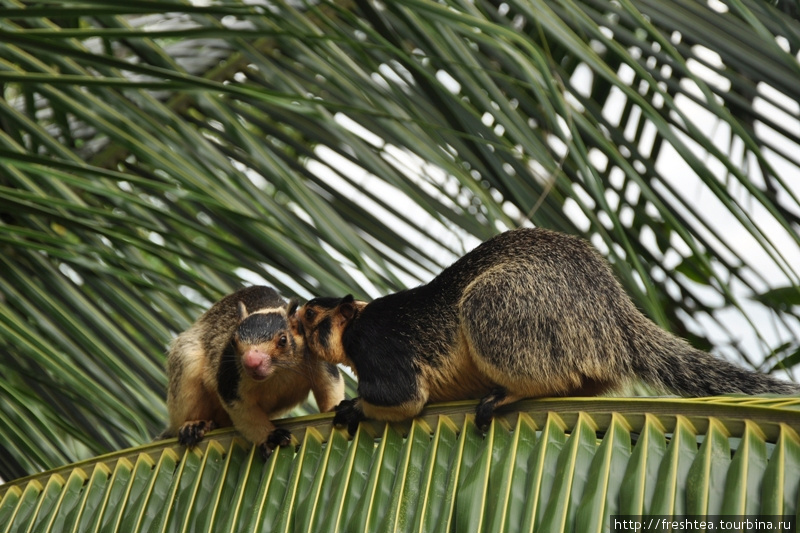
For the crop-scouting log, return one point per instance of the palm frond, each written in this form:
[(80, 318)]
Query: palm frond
[(553, 465)]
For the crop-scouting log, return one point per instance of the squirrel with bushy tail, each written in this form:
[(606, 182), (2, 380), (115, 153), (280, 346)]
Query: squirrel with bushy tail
[(530, 313)]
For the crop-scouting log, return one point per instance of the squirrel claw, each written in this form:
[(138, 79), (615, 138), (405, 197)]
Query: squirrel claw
[(191, 433), (485, 410), (483, 421), (348, 415), (278, 437), (483, 416)]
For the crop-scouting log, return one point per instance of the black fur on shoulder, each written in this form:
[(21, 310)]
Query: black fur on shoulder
[(228, 376), (386, 342)]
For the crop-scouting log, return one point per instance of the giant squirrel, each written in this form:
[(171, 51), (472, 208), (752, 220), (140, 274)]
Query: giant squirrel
[(242, 364), (529, 313)]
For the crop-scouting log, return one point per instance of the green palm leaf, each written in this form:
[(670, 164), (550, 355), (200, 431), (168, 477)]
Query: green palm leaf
[(728, 459)]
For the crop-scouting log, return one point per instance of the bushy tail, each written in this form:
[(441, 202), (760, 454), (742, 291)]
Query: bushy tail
[(667, 361)]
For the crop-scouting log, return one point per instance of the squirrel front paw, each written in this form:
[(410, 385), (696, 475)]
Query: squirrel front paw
[(278, 437), (348, 414), (190, 433)]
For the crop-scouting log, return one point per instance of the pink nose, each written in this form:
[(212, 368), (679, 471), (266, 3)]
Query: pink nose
[(253, 358)]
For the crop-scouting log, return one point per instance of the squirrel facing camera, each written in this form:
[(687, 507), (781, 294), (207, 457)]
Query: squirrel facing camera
[(530, 313), (242, 364), (259, 337)]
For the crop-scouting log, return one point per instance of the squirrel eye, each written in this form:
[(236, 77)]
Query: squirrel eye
[(282, 340), (310, 314)]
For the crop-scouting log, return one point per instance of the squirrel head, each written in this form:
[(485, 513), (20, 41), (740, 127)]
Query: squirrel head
[(265, 341), (322, 322)]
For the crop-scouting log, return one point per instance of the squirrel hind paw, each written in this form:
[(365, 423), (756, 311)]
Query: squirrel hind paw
[(483, 417), (484, 413)]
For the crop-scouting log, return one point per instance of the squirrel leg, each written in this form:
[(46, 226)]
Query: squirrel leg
[(350, 412), (194, 416), (255, 426), (517, 338), (328, 387), (402, 411), (193, 409), (484, 413)]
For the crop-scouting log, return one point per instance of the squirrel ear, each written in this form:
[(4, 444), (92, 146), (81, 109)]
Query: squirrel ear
[(291, 307), (242, 311), (347, 308)]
